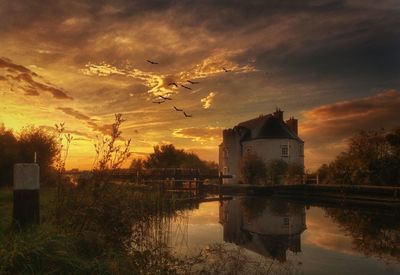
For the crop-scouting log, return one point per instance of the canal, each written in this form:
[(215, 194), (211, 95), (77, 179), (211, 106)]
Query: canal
[(287, 237)]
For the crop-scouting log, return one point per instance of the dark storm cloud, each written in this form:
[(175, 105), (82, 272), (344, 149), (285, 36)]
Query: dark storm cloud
[(325, 37), (28, 81)]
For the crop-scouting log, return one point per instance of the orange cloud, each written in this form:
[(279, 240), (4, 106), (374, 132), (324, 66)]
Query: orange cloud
[(205, 134), (207, 101), (325, 129), (23, 79), (104, 129), (158, 83)]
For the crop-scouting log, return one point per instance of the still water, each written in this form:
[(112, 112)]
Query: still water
[(309, 240)]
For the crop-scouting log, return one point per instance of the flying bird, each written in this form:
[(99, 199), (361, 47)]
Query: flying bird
[(152, 62), (174, 84), (193, 82), (165, 98), (227, 71), (186, 87), (186, 115), (177, 109), (158, 102)]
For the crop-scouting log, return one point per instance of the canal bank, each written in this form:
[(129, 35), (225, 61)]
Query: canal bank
[(328, 194)]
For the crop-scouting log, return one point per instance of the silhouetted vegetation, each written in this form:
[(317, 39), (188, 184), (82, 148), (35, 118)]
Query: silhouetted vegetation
[(255, 171), (372, 158), (22, 147), (167, 156)]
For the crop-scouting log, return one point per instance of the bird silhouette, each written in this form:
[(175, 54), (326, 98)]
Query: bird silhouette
[(226, 70), (174, 84), (165, 98), (193, 82), (152, 62), (186, 87), (186, 115), (177, 109), (158, 102)]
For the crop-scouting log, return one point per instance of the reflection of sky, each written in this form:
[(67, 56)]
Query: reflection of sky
[(325, 247)]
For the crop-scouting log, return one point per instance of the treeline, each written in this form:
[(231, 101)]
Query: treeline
[(21, 147), (167, 156), (372, 158), (253, 170)]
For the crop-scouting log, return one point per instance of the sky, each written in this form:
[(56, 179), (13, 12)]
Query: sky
[(334, 65)]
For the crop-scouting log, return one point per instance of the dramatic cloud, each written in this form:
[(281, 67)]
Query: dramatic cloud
[(74, 113), (315, 59), (202, 135), (326, 129), (22, 78), (104, 129), (208, 100), (339, 120), (160, 84)]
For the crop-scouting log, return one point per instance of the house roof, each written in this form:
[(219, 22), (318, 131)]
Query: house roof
[(264, 127)]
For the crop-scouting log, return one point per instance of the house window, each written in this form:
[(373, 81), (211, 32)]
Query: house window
[(286, 221), (301, 150), (285, 151), (226, 153)]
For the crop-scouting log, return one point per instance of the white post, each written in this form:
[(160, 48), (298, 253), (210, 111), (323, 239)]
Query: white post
[(26, 194)]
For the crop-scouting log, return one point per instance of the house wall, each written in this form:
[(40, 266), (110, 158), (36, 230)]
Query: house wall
[(269, 149), (230, 154), (271, 223)]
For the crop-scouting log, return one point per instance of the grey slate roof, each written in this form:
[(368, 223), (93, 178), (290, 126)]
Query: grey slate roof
[(264, 127)]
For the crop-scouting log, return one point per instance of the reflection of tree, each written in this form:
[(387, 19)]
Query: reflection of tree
[(373, 234), (253, 207)]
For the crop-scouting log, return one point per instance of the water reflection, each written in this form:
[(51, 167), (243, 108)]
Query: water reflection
[(373, 234), (267, 227)]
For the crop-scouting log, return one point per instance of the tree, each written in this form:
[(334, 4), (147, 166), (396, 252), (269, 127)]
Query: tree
[(167, 156), (36, 140), (8, 155), (372, 157), (276, 169), (295, 172), (137, 164), (253, 169)]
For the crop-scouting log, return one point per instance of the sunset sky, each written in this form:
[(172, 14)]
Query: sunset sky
[(334, 65)]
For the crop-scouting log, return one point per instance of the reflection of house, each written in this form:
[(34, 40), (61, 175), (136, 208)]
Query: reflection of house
[(268, 136), (270, 233)]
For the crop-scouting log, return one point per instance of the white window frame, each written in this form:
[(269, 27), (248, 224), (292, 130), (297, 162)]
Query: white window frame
[(283, 147)]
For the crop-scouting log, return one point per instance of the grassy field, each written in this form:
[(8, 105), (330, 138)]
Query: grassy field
[(47, 196)]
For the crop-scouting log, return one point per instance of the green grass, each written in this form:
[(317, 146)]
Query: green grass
[(6, 196), (47, 196)]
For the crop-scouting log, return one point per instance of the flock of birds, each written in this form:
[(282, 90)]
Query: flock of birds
[(163, 99)]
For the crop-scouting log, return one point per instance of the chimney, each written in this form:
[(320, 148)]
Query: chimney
[(278, 114), (292, 124)]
